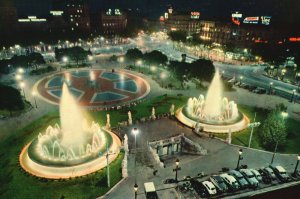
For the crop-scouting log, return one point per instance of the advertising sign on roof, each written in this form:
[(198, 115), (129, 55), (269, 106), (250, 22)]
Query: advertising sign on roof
[(252, 20)]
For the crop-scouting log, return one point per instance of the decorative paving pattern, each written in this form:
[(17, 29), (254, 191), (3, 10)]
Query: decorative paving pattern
[(107, 88)]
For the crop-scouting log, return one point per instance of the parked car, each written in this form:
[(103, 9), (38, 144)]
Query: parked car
[(199, 188), (219, 183), (253, 182), (210, 187), (230, 181), (266, 177), (240, 178), (270, 172), (280, 172), (169, 181), (256, 174)]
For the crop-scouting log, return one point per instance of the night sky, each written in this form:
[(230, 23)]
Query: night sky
[(282, 11)]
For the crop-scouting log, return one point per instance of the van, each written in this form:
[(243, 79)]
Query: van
[(150, 191)]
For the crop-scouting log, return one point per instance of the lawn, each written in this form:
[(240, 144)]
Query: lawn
[(242, 138), (16, 183)]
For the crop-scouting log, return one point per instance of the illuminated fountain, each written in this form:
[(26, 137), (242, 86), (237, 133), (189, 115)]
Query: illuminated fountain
[(215, 113), (73, 149)]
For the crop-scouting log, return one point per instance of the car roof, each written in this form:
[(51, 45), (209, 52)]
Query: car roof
[(235, 173), (209, 184), (217, 177), (229, 177), (149, 187), (280, 169), (268, 169), (255, 171), (246, 171)]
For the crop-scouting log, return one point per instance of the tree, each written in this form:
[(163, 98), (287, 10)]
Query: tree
[(77, 54), (10, 99), (113, 58), (274, 129), (155, 57), (134, 54), (178, 36)]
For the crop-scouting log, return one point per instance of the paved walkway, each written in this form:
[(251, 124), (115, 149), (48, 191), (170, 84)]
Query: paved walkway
[(220, 155)]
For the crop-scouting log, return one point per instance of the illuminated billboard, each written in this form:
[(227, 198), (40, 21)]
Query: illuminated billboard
[(195, 15), (265, 20), (166, 15), (236, 17), (251, 20)]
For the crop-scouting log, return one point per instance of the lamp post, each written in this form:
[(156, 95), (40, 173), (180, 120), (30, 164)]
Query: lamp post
[(135, 188), (252, 126), (139, 63), (162, 76), (135, 131), (177, 168), (270, 88), (293, 95), (295, 171), (107, 164), (22, 85), (34, 94), (240, 158), (241, 78)]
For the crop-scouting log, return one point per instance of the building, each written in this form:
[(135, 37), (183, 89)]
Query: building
[(182, 21), (241, 36), (113, 21), (78, 15)]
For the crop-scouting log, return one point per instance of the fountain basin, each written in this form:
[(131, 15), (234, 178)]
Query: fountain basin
[(69, 171), (238, 124)]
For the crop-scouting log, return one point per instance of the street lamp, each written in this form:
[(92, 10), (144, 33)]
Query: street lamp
[(293, 95), (65, 59), (252, 126), (270, 89), (162, 76), (18, 76), (176, 170), (139, 63), (34, 94), (135, 131), (20, 70), (135, 188), (240, 158), (295, 171), (22, 85), (241, 78)]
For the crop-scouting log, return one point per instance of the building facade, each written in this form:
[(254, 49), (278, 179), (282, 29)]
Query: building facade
[(113, 22), (182, 21), (78, 15)]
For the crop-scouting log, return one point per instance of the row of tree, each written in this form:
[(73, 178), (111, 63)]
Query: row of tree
[(76, 54), (201, 69), (24, 61), (154, 57)]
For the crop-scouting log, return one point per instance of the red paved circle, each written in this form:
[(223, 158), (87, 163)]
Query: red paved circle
[(94, 88)]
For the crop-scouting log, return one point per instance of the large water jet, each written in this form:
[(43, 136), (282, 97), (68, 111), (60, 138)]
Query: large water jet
[(75, 148), (214, 113)]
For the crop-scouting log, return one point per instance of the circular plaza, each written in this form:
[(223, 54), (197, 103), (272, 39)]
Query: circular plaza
[(94, 88)]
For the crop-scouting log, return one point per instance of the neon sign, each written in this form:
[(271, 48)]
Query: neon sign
[(294, 39), (235, 17), (265, 20), (252, 20), (195, 15)]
